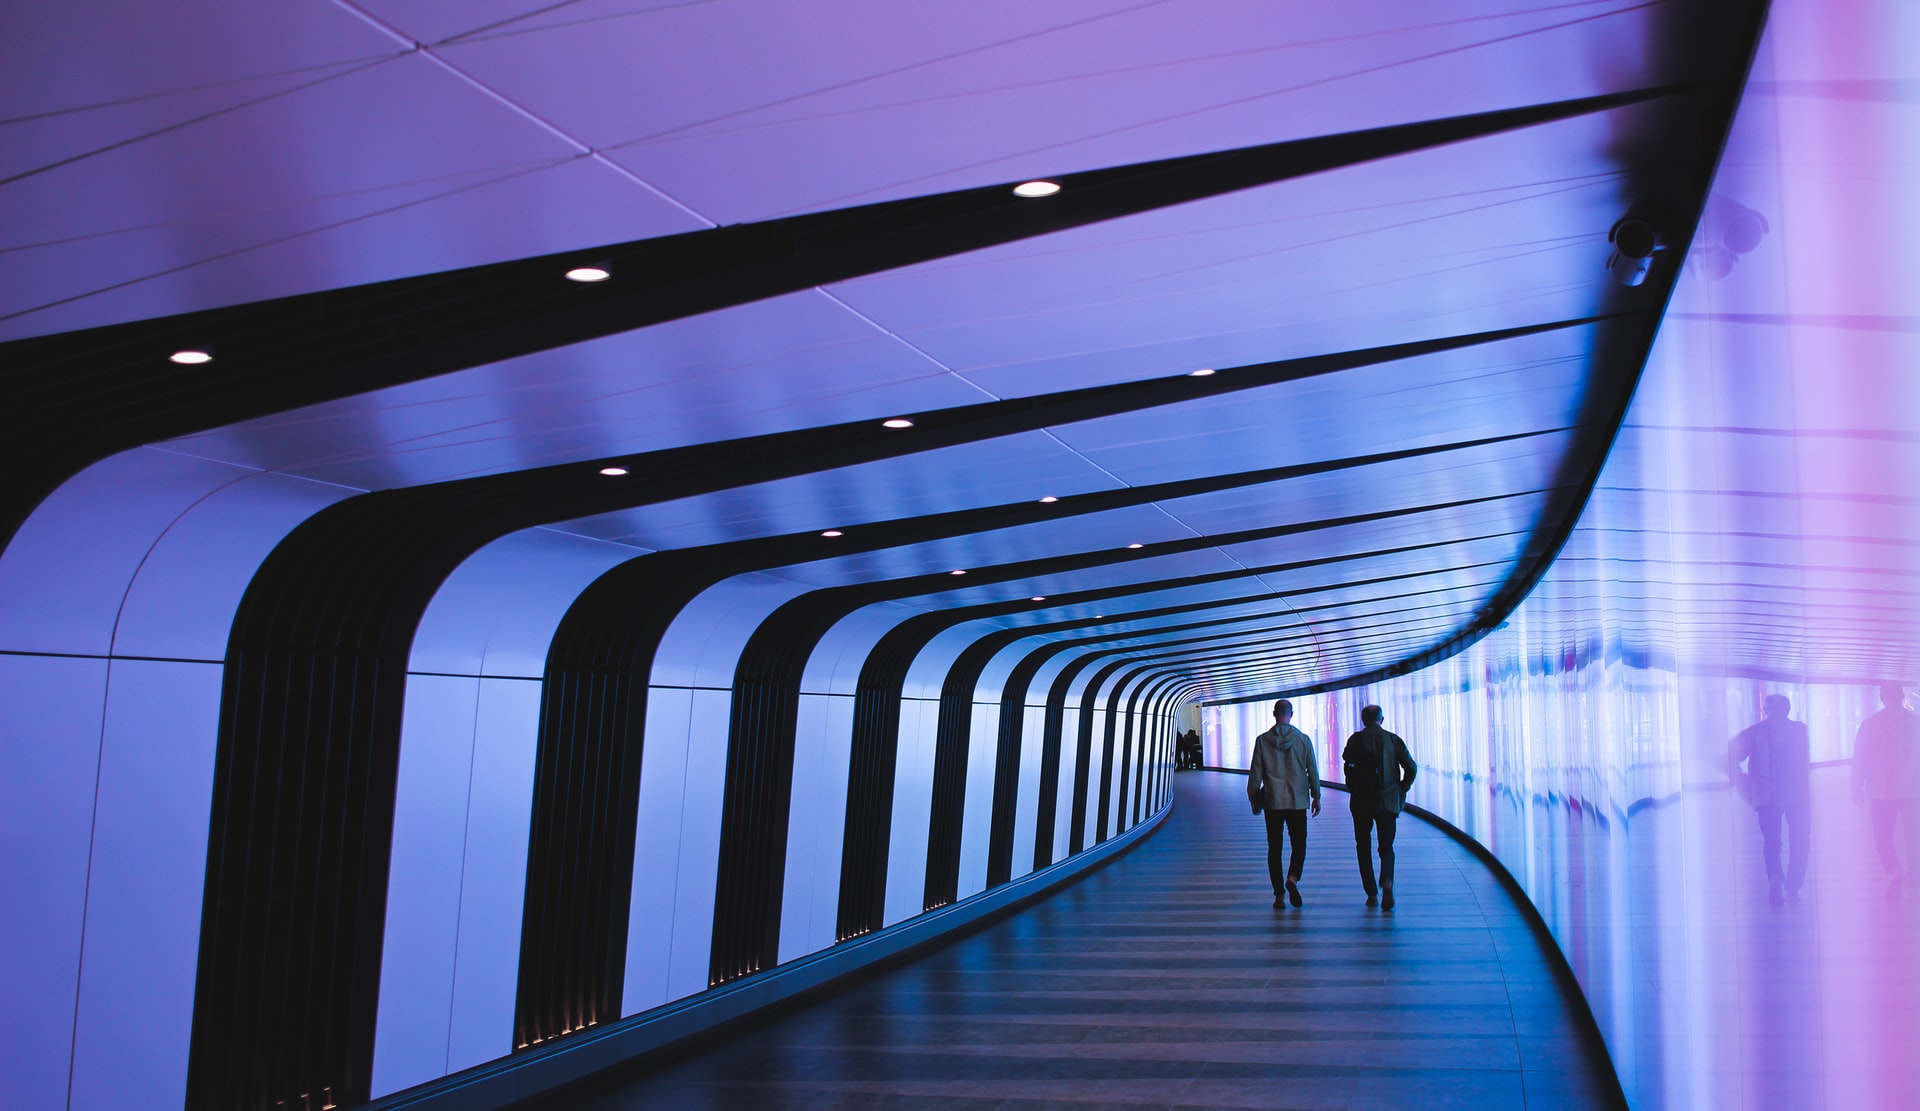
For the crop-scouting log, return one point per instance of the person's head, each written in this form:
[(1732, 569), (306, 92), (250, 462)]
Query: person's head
[(1283, 711), (1892, 695), (1372, 715), (1778, 706)]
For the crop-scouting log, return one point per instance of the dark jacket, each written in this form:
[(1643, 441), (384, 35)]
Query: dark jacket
[(1397, 769), (1775, 752), (1282, 775), (1886, 755)]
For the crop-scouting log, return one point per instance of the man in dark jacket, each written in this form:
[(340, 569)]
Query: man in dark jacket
[(1283, 779), (1379, 770), (1775, 751), (1886, 775)]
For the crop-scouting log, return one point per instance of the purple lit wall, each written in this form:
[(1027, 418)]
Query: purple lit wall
[(1756, 531)]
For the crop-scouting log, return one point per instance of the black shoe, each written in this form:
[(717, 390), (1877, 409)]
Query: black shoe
[(1293, 892), (1372, 899), (1386, 896), (1278, 902)]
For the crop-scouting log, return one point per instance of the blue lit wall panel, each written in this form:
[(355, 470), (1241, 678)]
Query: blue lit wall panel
[(148, 861), (977, 815), (424, 882), (48, 768), (810, 899), (695, 880), (1026, 812), (912, 819), (656, 858)]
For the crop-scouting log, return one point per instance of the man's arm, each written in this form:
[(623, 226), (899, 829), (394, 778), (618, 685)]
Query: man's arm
[(1313, 775), (1256, 776), (1407, 766)]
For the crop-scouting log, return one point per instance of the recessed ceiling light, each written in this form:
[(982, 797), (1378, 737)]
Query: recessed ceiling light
[(832, 532), (1136, 545), (1036, 189), (1039, 598), (1203, 372), (956, 571), (190, 357), (896, 422), (613, 472), (589, 274), (1048, 500)]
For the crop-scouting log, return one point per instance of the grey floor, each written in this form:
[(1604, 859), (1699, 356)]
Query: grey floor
[(1166, 979)]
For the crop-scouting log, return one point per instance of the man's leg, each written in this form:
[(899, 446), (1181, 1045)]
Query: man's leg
[(1769, 819), (1388, 824), (1363, 846), (1297, 837), (1276, 827), (1799, 841)]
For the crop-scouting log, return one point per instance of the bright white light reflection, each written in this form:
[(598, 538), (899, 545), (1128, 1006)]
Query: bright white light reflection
[(1036, 189), (896, 422), (588, 274), (613, 472), (190, 357)]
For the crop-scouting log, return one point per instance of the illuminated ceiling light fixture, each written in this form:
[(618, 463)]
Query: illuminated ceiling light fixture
[(1203, 372), (1038, 598), (956, 571), (896, 422), (1036, 189), (589, 274), (832, 532), (613, 472), (1132, 546), (193, 356), (1048, 500)]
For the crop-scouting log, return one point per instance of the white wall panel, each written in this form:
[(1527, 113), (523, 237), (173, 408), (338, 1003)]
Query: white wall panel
[(976, 815), (835, 663), (50, 724), (144, 883), (423, 888), (706, 779), (656, 855), (816, 826), (912, 816), (702, 646), (496, 614), (1033, 719), (493, 885), (1069, 762)]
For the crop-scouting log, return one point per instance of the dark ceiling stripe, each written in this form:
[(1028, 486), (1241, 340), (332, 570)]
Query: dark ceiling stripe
[(82, 396)]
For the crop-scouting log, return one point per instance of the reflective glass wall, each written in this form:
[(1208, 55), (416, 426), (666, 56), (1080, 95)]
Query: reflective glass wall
[(1756, 533)]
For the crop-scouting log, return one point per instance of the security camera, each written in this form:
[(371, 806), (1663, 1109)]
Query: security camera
[(1636, 238)]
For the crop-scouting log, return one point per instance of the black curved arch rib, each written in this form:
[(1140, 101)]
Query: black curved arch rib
[(82, 396), (317, 657)]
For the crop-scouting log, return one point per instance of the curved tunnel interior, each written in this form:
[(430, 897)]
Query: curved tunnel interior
[(533, 533)]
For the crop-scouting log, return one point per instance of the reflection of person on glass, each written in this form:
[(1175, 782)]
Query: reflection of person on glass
[(1281, 781), (1378, 770), (1886, 772), (1775, 783)]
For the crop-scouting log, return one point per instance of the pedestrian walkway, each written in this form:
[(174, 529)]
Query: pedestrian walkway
[(1166, 979)]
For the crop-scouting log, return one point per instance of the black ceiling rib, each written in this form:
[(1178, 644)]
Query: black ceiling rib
[(594, 704), (82, 396), (315, 676)]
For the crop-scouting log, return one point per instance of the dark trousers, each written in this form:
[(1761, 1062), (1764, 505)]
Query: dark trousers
[(1363, 827), (1798, 836), (1885, 813), (1294, 823)]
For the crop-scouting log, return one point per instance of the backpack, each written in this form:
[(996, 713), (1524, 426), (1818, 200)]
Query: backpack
[(1363, 776)]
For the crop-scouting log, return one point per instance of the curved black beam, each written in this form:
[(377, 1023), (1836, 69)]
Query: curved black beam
[(79, 397), (316, 671)]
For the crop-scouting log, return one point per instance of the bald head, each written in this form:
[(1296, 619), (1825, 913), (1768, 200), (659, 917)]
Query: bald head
[(1372, 715)]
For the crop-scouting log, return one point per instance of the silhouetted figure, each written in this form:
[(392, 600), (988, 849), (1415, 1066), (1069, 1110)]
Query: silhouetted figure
[(1281, 781), (1886, 773), (1189, 750), (1379, 770), (1775, 782)]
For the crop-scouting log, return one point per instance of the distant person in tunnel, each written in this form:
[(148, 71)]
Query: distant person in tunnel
[(1379, 771), (1775, 752), (1282, 781), (1886, 774)]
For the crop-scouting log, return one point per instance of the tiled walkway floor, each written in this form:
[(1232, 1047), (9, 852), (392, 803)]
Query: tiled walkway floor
[(1167, 980)]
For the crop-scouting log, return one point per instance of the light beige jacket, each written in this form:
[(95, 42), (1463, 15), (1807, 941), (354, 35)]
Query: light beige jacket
[(1283, 775)]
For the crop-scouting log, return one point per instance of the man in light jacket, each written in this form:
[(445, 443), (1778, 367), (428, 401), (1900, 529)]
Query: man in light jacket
[(1886, 774), (1281, 782), (1378, 770)]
